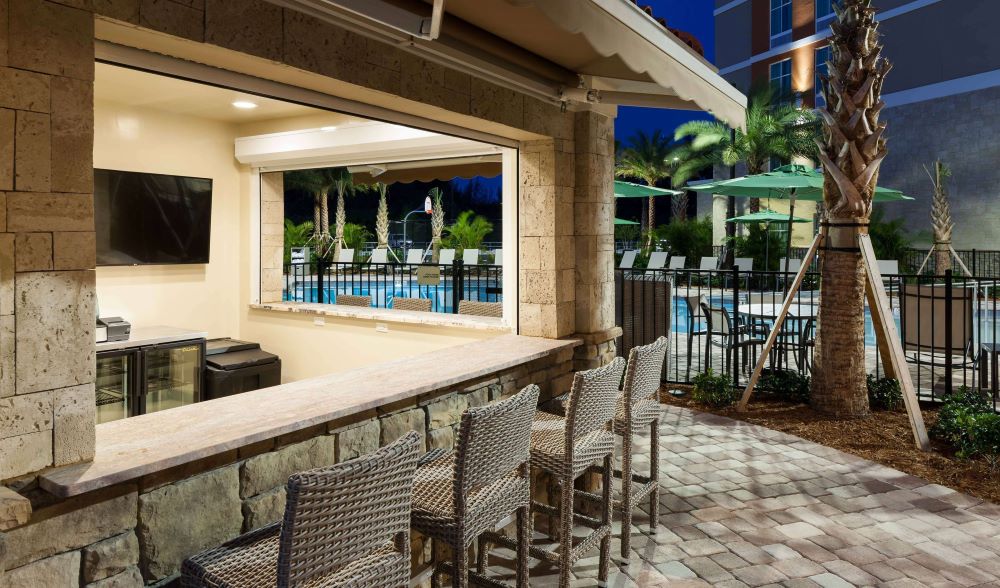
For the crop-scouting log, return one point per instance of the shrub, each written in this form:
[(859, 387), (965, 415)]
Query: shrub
[(690, 238), (787, 385), (884, 393), (714, 390), (968, 423)]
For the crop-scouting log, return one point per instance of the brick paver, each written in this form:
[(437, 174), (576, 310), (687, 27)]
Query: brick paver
[(743, 505)]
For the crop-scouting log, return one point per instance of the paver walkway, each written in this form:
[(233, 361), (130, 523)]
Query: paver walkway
[(743, 505)]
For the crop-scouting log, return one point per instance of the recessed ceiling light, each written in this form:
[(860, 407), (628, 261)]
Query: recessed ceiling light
[(244, 104), (328, 129)]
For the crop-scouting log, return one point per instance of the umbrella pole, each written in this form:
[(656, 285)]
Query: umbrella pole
[(767, 246), (788, 243)]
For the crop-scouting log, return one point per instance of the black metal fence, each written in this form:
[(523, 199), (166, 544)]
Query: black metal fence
[(444, 285), (949, 325)]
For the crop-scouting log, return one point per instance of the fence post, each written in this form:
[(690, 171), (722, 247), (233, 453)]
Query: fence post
[(738, 349), (319, 280), (456, 284), (974, 273), (947, 331)]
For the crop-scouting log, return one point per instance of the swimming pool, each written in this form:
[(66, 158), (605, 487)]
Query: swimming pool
[(442, 296)]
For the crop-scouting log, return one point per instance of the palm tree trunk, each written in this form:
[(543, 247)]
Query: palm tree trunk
[(650, 222), (851, 153), (340, 219)]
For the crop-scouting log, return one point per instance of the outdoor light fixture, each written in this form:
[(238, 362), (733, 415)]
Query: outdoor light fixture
[(244, 105)]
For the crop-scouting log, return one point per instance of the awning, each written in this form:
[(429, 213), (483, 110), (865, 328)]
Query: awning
[(575, 51), (622, 54)]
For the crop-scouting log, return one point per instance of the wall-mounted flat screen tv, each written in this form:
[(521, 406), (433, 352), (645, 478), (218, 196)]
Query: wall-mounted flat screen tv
[(144, 218)]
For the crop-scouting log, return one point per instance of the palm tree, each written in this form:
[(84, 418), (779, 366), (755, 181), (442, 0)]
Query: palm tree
[(382, 216), (318, 182), (774, 129), (851, 152), (344, 185), (468, 231), (437, 221), (649, 158), (941, 218)]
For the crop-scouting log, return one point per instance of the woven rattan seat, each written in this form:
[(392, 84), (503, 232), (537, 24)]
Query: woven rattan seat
[(330, 536), (476, 308), (459, 495), (638, 407), (564, 447)]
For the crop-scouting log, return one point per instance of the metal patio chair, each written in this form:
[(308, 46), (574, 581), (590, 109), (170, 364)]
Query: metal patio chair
[(330, 535), (657, 261), (925, 326), (446, 257), (414, 256), (346, 256), (628, 260), (460, 495), (380, 256), (730, 335), (697, 326), (470, 257), (677, 262), (565, 448), (418, 304), (476, 308), (352, 300)]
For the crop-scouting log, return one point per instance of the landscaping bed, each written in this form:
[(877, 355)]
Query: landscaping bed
[(884, 437)]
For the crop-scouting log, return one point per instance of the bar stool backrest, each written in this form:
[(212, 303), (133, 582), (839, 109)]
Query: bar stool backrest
[(337, 514), (645, 368), (492, 441), (592, 399)]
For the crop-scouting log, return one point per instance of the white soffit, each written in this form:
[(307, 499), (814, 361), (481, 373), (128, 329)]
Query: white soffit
[(354, 144)]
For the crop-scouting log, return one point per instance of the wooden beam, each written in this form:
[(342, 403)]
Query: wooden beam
[(883, 321), (772, 337), (881, 344)]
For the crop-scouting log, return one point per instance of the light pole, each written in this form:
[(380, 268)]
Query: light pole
[(405, 242)]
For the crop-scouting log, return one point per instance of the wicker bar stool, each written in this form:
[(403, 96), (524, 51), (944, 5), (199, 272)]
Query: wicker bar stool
[(638, 407), (565, 448), (344, 525), (459, 495)]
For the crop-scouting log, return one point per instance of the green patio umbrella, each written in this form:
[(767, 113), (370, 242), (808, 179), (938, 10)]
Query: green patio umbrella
[(788, 182), (621, 221), (630, 190), (767, 217)]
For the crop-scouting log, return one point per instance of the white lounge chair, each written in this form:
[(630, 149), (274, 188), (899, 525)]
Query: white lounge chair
[(794, 265), (888, 267), (380, 255), (628, 260), (498, 257), (677, 262), (745, 264), (446, 257), (708, 263), (470, 257), (657, 260), (414, 256), (346, 256)]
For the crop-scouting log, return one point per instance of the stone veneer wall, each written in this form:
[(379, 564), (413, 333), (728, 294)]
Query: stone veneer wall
[(47, 252), (140, 532), (272, 235)]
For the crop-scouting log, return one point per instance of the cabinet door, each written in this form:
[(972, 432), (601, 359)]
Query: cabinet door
[(115, 385), (172, 375)]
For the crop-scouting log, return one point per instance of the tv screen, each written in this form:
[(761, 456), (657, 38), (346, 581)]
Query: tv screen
[(143, 218)]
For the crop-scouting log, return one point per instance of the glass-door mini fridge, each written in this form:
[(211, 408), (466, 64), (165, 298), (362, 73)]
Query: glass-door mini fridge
[(149, 379)]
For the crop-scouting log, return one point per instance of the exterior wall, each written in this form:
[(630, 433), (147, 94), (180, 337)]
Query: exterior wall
[(272, 236), (46, 237), (140, 532), (963, 132), (733, 36)]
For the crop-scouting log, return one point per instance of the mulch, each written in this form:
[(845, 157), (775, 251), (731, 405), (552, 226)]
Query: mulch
[(883, 437)]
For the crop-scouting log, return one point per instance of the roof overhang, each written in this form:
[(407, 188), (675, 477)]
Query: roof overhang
[(575, 52)]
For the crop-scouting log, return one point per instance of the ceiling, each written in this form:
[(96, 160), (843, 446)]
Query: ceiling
[(137, 88)]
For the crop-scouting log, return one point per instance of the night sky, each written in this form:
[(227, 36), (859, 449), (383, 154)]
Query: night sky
[(695, 17)]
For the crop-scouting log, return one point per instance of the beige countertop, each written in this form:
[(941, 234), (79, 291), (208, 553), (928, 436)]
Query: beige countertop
[(437, 319), (130, 448), (152, 335)]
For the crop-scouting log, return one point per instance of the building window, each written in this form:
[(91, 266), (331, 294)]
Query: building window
[(781, 80), (781, 22), (824, 14), (822, 56)]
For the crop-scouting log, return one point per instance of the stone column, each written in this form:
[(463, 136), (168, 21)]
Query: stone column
[(546, 274), (593, 208), (272, 235), (47, 252)]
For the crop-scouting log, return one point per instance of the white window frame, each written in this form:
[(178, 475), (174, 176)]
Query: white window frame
[(817, 85), (785, 35)]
